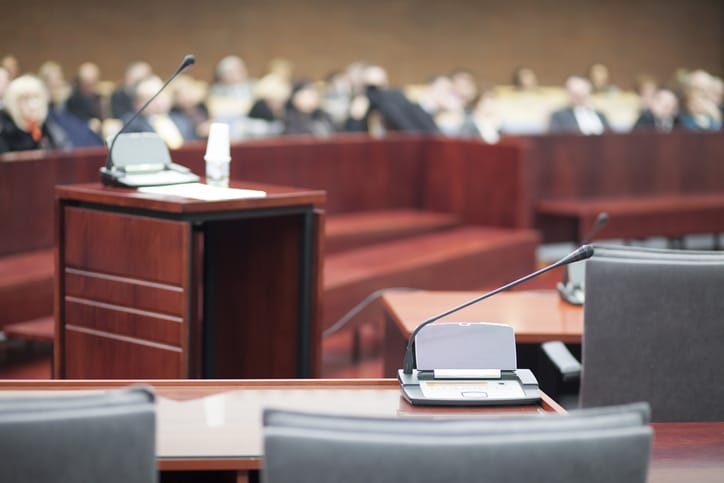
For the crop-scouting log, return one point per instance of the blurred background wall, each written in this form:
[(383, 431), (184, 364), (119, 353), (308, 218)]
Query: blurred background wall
[(413, 39)]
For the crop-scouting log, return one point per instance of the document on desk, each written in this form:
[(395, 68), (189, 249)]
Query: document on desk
[(200, 191), (455, 390)]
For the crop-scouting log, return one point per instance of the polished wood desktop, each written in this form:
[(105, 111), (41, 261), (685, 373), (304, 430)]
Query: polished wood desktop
[(216, 424), (166, 286), (213, 427), (536, 316)]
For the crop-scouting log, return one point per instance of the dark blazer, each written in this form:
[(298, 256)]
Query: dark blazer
[(564, 120), (647, 120), (12, 138)]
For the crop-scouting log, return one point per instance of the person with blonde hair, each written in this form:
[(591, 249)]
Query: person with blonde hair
[(24, 123)]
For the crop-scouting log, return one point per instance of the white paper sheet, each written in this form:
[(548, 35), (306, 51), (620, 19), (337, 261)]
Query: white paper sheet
[(200, 191)]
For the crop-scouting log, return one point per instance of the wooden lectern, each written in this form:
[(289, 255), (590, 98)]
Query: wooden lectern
[(164, 286)]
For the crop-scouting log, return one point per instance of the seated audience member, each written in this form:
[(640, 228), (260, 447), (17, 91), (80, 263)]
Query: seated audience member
[(663, 113), (646, 88), (52, 76), (172, 128), (701, 112), (188, 102), (716, 93), (484, 122), (232, 93), (387, 109), (4, 82), (579, 117), (24, 122), (272, 93), (11, 64), (464, 88), (85, 100), (122, 96), (600, 79), (443, 104), (303, 114), (337, 97), (280, 68), (524, 79)]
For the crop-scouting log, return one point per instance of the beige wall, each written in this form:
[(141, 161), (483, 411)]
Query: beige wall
[(412, 38)]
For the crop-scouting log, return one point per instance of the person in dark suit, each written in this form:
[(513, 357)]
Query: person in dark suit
[(85, 101), (579, 117), (663, 113)]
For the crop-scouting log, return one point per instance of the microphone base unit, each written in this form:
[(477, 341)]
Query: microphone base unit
[(170, 175), (513, 388)]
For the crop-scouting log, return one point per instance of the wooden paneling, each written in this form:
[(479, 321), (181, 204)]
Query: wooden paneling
[(254, 297), (414, 39), (126, 245), (97, 355)]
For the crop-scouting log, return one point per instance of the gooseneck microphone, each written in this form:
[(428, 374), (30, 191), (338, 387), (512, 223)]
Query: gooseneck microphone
[(188, 61), (600, 222), (582, 253)]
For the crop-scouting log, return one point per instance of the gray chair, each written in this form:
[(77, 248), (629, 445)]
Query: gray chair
[(654, 331), (599, 445), (108, 437)]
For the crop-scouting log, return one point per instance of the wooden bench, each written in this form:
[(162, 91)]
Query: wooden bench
[(461, 258), (346, 231), (26, 287), (37, 330), (632, 217)]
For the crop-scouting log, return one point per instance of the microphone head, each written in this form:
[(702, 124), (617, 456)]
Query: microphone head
[(189, 60), (581, 253), (602, 218)]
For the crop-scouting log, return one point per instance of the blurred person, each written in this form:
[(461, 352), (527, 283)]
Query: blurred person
[(122, 96), (525, 79), (464, 87), (485, 121), (157, 117), (51, 73), (303, 114), (438, 95), (188, 102), (281, 68), (646, 88), (389, 109), (701, 114), (579, 116), (84, 101), (337, 96), (600, 78), (716, 93), (272, 93), (24, 122), (4, 82), (232, 93), (663, 113), (11, 64)]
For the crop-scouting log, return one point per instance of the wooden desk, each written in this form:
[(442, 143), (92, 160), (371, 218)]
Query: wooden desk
[(535, 316), (161, 286), (213, 427)]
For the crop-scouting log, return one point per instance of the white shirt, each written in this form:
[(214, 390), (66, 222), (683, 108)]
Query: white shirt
[(588, 121)]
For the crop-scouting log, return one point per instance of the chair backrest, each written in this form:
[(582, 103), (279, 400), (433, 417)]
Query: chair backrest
[(602, 445), (654, 331), (108, 437)]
